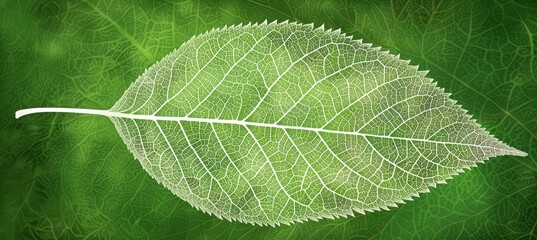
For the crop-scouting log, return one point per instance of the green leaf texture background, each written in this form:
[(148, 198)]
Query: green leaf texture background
[(70, 176)]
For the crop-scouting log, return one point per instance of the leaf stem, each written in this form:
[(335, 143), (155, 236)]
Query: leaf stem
[(29, 111)]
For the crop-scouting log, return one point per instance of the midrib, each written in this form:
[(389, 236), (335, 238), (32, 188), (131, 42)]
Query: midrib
[(24, 112)]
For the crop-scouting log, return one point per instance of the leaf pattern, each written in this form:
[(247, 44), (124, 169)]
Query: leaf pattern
[(282, 122)]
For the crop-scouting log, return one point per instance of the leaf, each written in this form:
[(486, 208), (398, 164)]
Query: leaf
[(283, 122)]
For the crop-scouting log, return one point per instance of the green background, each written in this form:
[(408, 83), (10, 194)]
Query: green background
[(65, 176)]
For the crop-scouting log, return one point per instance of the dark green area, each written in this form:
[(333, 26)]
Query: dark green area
[(65, 176)]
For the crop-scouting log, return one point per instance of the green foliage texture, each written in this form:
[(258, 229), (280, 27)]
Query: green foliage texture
[(65, 176)]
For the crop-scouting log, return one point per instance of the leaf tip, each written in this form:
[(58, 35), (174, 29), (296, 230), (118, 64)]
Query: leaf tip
[(516, 152)]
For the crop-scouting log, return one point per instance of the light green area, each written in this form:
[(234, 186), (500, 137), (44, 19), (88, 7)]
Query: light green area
[(283, 122), (70, 176)]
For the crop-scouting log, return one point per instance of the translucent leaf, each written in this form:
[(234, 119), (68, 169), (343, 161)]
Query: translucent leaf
[(283, 122)]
